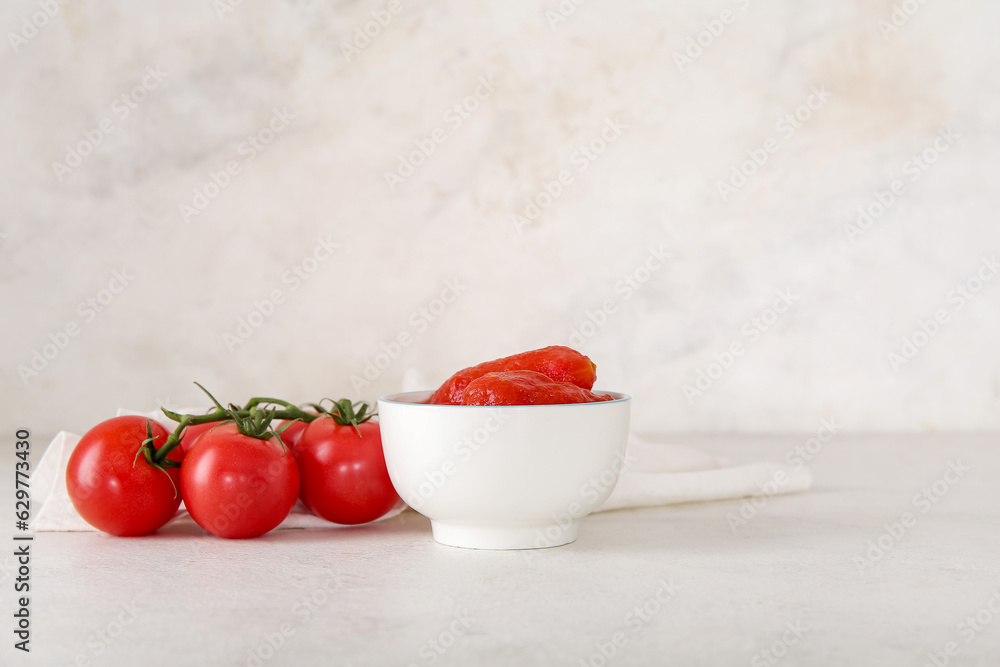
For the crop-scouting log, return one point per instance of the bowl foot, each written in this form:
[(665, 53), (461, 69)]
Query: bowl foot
[(541, 536)]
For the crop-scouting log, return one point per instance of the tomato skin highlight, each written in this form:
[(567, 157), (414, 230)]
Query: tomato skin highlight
[(558, 362), (115, 491), (237, 487), (526, 388), (344, 476)]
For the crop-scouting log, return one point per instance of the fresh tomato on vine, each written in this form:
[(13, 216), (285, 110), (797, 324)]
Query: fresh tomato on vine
[(343, 474), (115, 481), (192, 433), (239, 481), (292, 433)]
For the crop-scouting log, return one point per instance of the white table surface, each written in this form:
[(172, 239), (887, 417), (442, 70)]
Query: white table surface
[(186, 598)]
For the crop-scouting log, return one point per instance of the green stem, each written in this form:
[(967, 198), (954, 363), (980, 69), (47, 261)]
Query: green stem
[(219, 415), (254, 402), (254, 421)]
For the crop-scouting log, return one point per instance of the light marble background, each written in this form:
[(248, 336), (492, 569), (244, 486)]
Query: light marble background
[(655, 185)]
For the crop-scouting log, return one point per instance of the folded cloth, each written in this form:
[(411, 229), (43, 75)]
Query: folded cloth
[(663, 474), (653, 474)]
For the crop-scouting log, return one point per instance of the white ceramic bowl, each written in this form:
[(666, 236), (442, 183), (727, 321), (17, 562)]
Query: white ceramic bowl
[(509, 477)]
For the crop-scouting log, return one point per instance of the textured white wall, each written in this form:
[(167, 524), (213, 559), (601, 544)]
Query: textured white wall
[(674, 130)]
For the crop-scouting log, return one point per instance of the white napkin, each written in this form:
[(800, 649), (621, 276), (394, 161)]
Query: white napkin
[(663, 474), (654, 474)]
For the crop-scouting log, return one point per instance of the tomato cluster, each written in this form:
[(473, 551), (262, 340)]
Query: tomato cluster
[(238, 476)]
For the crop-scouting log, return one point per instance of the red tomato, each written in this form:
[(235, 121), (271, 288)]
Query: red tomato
[(191, 434), (236, 486), (344, 478), (115, 491), (291, 435)]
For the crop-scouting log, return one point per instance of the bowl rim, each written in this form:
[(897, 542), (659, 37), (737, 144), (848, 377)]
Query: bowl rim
[(396, 399)]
